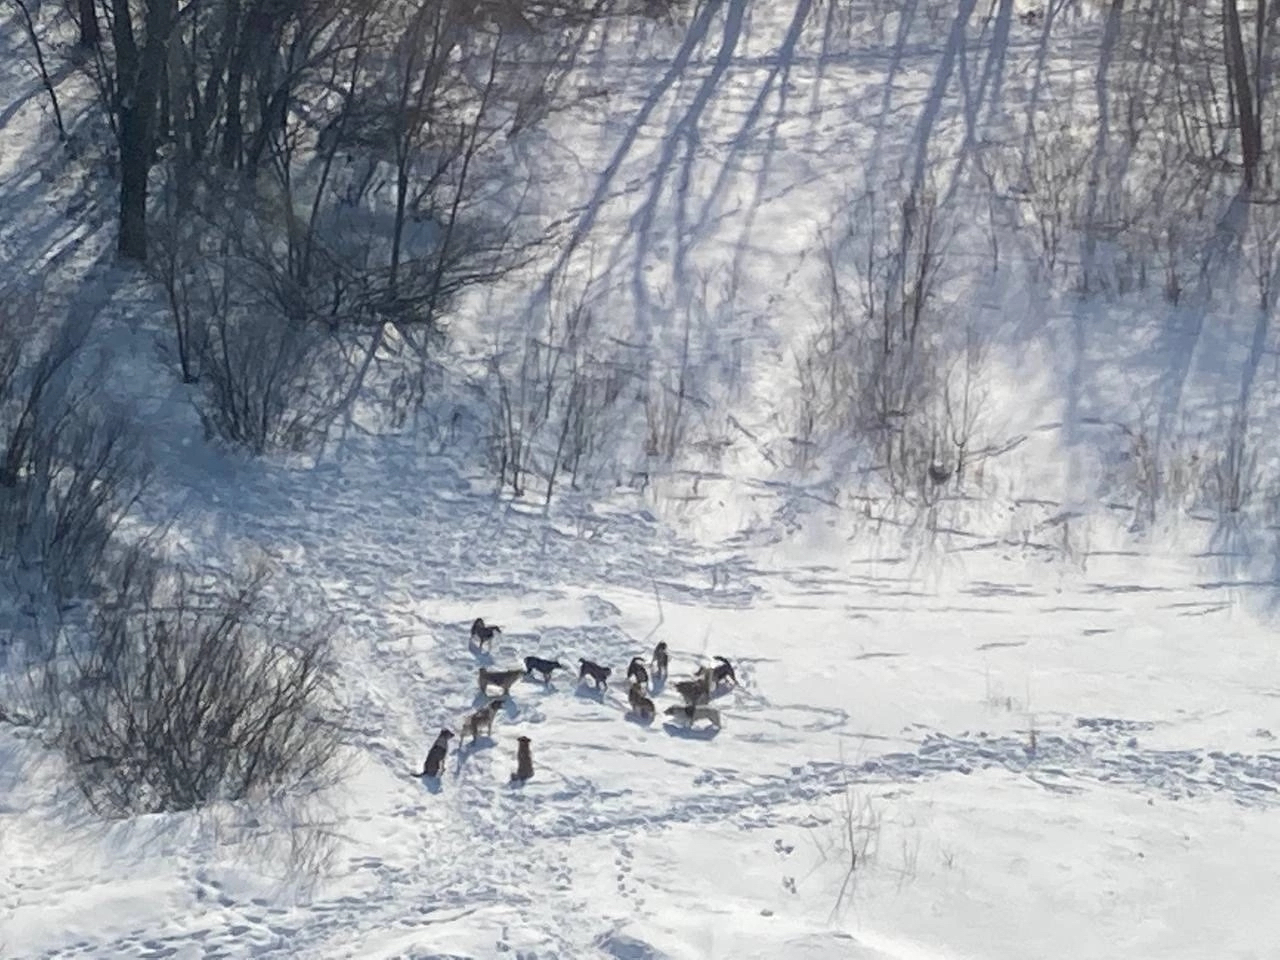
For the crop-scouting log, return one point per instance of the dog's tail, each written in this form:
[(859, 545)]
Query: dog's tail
[(724, 660)]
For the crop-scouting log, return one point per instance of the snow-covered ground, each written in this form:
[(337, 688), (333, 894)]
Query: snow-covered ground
[(1034, 737)]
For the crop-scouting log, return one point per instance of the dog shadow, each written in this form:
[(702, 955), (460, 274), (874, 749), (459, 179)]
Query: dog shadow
[(432, 784), (657, 683), (482, 657), (510, 709), (691, 733), (638, 720), (471, 746), (588, 692)]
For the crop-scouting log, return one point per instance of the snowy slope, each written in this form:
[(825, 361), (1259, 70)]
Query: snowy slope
[(1032, 737)]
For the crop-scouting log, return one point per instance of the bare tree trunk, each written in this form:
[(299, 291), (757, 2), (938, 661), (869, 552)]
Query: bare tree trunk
[(138, 75), (87, 14), (1247, 113)]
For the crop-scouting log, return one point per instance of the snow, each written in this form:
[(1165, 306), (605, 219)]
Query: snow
[(1038, 735)]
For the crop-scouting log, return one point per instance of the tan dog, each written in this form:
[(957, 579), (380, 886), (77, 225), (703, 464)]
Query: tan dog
[(482, 718), (640, 704), (524, 761), (498, 678), (697, 690)]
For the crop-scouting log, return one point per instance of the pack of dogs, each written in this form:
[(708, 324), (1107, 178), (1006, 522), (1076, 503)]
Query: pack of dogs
[(695, 692)]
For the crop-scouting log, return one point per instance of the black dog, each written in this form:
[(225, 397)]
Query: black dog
[(723, 671), (435, 756), (544, 667), (637, 672), (598, 674), (481, 634)]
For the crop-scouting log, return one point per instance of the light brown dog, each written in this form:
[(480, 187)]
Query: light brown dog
[(524, 761), (482, 718), (697, 690), (498, 678)]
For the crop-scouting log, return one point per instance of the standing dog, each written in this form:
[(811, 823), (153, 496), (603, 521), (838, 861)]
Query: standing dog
[(524, 761), (640, 704), (599, 675), (482, 634), (435, 756), (694, 712), (636, 671), (723, 671), (697, 690), (482, 718), (660, 659), (498, 678), (544, 667)]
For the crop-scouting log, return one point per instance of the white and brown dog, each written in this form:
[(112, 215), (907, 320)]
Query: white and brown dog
[(498, 678)]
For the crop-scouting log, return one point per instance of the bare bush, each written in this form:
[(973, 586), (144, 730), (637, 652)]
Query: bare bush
[(893, 376), (70, 466), (190, 687)]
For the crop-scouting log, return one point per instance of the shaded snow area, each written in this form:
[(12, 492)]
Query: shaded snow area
[(1027, 712)]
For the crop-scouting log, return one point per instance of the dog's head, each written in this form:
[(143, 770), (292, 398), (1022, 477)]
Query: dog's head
[(477, 624), (524, 741), (445, 734), (495, 705)]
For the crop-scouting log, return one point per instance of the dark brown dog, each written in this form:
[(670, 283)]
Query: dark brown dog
[(524, 761), (660, 658), (636, 671), (482, 634), (599, 675), (723, 671), (435, 756)]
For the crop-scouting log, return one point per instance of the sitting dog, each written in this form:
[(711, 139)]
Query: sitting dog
[(482, 634), (544, 667), (697, 690), (435, 756), (599, 675), (660, 659), (640, 704), (723, 671), (692, 712), (524, 761), (636, 671), (498, 678), (482, 718)]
